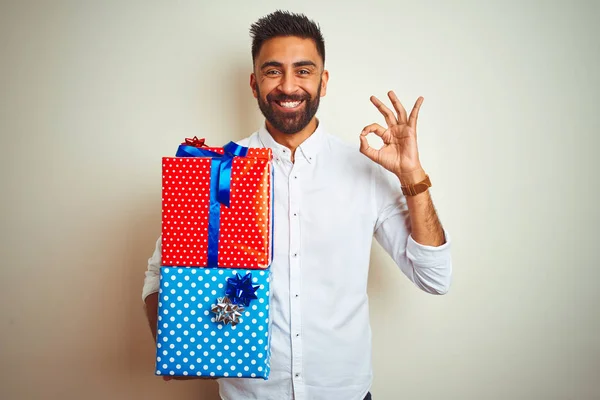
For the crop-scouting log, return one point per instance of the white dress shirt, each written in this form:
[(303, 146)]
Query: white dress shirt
[(328, 204)]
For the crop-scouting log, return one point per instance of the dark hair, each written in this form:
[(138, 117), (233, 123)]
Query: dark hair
[(284, 23)]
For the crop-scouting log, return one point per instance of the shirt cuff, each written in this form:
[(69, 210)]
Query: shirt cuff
[(428, 256), (152, 275)]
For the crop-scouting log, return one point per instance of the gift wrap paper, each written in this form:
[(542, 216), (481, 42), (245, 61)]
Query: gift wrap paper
[(194, 223), (189, 339)]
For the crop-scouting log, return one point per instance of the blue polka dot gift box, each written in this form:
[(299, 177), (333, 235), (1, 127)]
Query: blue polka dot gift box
[(213, 322)]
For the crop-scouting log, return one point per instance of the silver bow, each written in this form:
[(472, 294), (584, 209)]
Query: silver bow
[(227, 312)]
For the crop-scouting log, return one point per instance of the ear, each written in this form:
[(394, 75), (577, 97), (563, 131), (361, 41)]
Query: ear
[(254, 85), (324, 80)]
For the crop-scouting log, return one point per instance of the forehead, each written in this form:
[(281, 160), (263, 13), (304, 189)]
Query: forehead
[(288, 50)]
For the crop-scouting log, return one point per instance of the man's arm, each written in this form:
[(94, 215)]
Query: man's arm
[(151, 287), (426, 228), (417, 241), (409, 234), (151, 306), (400, 155)]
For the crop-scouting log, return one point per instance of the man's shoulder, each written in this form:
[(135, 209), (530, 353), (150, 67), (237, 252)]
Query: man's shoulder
[(345, 149), (336, 142), (348, 155), (250, 141)]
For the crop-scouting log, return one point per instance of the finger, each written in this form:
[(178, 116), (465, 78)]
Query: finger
[(398, 107), (375, 128), (390, 118), (414, 114), (167, 378), (366, 149)]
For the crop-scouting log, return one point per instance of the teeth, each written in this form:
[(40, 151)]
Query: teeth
[(290, 104)]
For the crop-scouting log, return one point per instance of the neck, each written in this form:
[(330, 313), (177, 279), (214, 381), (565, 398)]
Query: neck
[(293, 140)]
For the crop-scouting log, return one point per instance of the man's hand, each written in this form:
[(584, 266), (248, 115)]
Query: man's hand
[(186, 378), (399, 153)]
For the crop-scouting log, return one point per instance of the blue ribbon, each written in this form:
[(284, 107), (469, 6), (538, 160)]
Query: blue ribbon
[(220, 188), (222, 162)]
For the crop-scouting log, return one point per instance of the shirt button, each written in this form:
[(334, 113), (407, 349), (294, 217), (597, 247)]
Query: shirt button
[(297, 375), (295, 214), (295, 254), (297, 335), (296, 295), (295, 177)]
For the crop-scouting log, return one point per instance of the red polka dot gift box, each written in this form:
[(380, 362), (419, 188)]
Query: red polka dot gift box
[(217, 206)]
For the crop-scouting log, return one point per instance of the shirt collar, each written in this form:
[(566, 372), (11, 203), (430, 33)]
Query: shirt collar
[(308, 149)]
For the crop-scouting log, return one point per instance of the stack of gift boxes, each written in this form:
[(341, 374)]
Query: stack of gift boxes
[(217, 247)]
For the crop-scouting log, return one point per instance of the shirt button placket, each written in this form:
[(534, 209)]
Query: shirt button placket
[(295, 282)]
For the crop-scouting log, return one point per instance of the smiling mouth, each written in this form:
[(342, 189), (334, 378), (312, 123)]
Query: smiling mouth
[(289, 105)]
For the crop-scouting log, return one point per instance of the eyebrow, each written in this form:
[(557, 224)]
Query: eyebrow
[(304, 63)]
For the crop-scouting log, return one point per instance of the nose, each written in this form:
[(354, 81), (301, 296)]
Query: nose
[(288, 84)]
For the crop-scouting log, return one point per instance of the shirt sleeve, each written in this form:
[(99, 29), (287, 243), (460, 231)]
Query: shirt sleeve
[(152, 274), (428, 267)]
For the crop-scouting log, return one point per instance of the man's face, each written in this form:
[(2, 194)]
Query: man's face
[(288, 81)]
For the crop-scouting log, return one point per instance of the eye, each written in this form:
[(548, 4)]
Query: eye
[(304, 72), (272, 72)]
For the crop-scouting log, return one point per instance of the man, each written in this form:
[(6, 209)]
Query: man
[(329, 201)]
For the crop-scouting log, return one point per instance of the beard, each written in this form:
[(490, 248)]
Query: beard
[(289, 122)]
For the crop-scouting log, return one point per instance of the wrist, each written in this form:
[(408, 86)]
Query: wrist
[(412, 177)]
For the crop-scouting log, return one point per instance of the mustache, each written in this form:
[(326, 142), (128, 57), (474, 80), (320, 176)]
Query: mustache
[(279, 97)]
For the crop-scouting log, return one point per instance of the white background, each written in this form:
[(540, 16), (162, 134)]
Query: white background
[(92, 94)]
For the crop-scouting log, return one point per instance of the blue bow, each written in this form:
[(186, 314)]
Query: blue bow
[(240, 290), (221, 163)]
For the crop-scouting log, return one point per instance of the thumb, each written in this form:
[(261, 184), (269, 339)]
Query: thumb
[(366, 149)]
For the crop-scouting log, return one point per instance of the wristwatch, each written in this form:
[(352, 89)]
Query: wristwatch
[(419, 187)]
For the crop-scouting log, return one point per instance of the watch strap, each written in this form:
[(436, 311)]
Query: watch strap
[(416, 188)]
